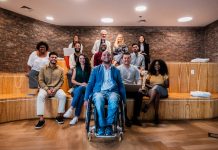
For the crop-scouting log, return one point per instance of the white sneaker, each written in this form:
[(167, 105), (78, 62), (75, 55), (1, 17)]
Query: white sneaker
[(74, 121), (68, 113)]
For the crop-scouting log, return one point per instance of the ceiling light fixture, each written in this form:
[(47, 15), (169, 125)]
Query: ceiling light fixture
[(184, 19), (3, 0), (140, 8), (107, 20), (50, 18)]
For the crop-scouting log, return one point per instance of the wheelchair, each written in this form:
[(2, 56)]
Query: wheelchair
[(118, 125)]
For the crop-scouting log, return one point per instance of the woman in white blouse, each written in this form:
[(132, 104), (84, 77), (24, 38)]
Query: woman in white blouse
[(36, 61)]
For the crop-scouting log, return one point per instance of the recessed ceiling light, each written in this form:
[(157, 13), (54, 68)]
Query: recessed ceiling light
[(107, 20), (184, 19), (140, 8), (49, 18)]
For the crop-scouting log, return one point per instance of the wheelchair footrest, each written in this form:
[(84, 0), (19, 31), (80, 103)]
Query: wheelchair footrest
[(106, 136)]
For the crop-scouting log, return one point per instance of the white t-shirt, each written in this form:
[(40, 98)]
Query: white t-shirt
[(36, 62), (71, 46)]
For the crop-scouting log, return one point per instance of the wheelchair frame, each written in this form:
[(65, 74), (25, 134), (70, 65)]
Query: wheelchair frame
[(118, 126)]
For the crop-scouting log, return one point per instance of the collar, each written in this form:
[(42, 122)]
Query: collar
[(49, 66)]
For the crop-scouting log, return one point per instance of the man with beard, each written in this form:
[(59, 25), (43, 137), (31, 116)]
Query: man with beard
[(72, 62), (137, 59), (131, 76), (105, 84), (98, 43), (50, 80), (97, 56)]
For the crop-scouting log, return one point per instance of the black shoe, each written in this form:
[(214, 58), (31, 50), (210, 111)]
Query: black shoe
[(128, 123), (136, 122), (60, 119), (40, 124), (145, 109), (156, 120)]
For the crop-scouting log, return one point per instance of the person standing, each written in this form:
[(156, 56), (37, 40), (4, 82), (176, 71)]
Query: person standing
[(98, 43), (72, 62), (144, 50), (36, 61)]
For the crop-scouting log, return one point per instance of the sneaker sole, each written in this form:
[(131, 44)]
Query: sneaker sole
[(40, 127), (59, 122)]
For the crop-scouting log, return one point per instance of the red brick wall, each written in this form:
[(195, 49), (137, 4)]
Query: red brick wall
[(20, 34), (211, 41)]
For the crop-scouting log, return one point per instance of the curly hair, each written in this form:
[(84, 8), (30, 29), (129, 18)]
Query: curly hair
[(163, 67), (42, 43), (87, 63)]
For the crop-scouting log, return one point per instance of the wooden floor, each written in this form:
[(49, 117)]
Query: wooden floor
[(169, 135)]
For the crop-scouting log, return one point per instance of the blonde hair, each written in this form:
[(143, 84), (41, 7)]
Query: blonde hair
[(117, 43)]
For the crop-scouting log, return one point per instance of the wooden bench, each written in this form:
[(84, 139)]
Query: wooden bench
[(16, 104), (185, 77)]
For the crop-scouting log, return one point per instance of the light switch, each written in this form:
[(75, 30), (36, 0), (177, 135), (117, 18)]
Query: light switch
[(192, 71)]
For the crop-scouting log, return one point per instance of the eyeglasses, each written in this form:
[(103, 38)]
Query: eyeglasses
[(42, 47)]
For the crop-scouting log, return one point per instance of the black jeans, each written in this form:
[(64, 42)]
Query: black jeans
[(137, 96)]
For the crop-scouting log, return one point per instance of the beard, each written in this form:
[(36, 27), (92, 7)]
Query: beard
[(77, 50)]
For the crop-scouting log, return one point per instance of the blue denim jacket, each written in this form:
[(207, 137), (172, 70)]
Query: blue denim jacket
[(96, 80)]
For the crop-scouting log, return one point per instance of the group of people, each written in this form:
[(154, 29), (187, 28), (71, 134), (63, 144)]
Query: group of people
[(105, 83)]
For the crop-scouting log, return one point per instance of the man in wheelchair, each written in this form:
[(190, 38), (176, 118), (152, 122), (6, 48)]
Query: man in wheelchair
[(105, 86)]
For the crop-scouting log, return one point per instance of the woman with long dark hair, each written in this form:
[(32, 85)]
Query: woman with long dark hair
[(144, 50), (157, 81), (80, 79)]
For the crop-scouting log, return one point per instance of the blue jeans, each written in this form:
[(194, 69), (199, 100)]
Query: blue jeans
[(78, 99), (99, 100)]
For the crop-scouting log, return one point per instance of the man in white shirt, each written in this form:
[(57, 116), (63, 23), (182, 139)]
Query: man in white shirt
[(72, 62), (97, 44)]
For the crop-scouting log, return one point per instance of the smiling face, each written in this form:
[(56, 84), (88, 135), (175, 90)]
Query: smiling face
[(77, 48), (103, 34), (126, 59), (53, 59), (75, 38), (157, 66), (135, 48), (141, 39), (106, 57), (42, 49), (82, 60)]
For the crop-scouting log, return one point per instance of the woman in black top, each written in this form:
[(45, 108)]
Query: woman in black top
[(144, 49)]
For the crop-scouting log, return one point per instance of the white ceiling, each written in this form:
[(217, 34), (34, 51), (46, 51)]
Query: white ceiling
[(89, 12)]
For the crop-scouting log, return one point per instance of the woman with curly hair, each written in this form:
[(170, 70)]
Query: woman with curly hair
[(80, 79), (37, 60), (157, 82)]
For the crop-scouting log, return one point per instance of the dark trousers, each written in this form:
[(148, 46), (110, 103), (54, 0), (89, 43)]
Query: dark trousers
[(137, 96)]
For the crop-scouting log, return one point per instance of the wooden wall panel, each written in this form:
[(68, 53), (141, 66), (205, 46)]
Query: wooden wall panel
[(184, 109), (202, 81), (184, 78), (205, 78), (213, 77), (174, 76)]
